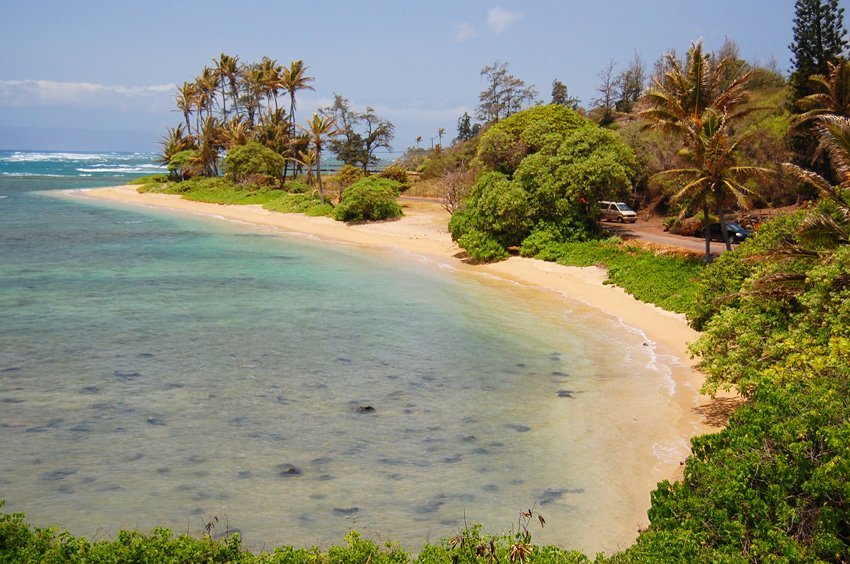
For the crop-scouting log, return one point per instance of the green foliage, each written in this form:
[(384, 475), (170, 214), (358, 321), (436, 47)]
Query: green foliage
[(470, 546), (664, 280), (548, 165), (434, 163), (397, 173), (347, 175), (185, 164), (252, 160), (503, 146), (369, 199), (300, 199)]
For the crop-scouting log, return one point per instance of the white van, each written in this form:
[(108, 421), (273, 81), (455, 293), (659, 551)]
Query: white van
[(617, 211)]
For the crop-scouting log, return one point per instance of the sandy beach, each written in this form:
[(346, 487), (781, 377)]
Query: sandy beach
[(422, 233)]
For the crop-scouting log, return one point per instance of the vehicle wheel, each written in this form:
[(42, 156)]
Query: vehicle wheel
[(619, 220), (732, 240)]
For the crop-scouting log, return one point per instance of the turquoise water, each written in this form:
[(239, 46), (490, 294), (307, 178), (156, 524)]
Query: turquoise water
[(175, 370)]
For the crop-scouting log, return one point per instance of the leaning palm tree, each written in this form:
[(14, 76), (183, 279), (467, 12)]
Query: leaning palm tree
[(698, 102), (320, 128), (293, 79)]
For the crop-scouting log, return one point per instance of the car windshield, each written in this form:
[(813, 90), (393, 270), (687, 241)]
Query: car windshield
[(624, 208)]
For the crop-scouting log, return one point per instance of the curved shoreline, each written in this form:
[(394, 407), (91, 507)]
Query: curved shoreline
[(423, 232)]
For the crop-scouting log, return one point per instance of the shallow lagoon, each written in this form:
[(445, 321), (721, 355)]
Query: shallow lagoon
[(160, 369)]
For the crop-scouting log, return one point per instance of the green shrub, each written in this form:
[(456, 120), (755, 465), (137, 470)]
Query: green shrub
[(369, 199), (347, 175), (185, 164), (253, 161), (398, 173), (481, 246), (544, 170)]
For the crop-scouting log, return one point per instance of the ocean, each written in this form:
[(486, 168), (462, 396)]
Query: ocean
[(184, 371)]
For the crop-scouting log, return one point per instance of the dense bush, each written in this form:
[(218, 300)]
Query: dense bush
[(369, 199), (547, 168), (185, 164), (253, 160), (398, 173)]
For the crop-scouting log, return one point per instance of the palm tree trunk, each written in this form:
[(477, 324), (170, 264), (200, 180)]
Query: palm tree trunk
[(707, 229), (319, 175)]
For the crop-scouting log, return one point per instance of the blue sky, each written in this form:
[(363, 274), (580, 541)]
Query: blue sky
[(94, 74)]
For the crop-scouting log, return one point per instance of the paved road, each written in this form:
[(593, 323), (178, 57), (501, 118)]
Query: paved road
[(645, 232)]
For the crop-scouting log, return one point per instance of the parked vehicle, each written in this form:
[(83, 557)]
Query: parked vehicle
[(735, 232), (617, 211)]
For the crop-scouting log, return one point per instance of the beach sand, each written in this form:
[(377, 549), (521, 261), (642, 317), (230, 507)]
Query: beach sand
[(423, 232)]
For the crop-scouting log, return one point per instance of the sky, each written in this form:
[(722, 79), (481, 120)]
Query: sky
[(102, 74)]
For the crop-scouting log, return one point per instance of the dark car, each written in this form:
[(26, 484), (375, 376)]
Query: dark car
[(735, 232)]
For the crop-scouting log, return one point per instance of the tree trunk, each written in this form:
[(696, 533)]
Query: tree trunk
[(723, 232), (319, 175), (707, 231)]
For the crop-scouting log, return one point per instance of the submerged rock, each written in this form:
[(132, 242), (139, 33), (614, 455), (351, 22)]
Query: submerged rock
[(346, 510), (364, 409), (288, 470), (59, 474)]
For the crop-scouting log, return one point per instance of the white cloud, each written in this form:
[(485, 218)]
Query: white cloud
[(47, 93), (498, 19), (463, 31)]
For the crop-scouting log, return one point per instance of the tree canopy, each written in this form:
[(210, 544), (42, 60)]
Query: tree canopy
[(545, 169)]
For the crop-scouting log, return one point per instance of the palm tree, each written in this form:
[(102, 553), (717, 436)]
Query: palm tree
[(236, 132), (206, 85), (187, 101), (226, 69), (293, 79), (418, 140), (252, 92), (821, 230), (175, 141), (319, 128), (697, 103), (440, 133), (210, 145), (273, 132), (831, 93), (271, 73), (714, 176), (307, 159)]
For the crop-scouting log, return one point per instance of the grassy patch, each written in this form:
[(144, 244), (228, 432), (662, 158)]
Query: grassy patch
[(666, 280), (296, 198)]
